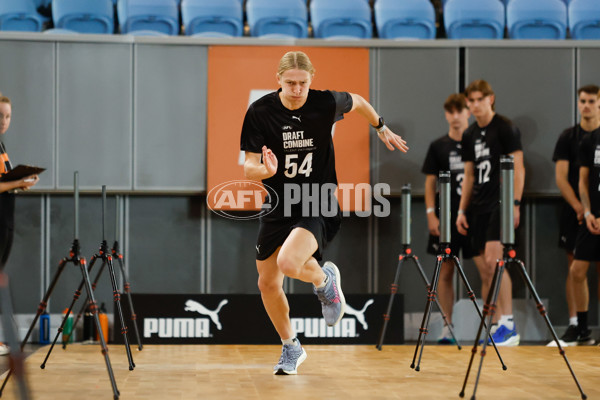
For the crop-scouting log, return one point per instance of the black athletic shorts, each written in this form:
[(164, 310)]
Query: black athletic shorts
[(568, 228), (457, 242), (484, 228), (6, 240), (272, 233), (587, 245)]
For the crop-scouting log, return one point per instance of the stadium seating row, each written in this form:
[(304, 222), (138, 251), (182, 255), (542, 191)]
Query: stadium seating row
[(331, 19)]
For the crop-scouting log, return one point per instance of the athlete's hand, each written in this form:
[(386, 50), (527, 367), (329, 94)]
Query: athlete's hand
[(516, 216), (593, 224), (461, 224), (28, 182), (392, 140), (579, 211), (433, 223), (269, 161)]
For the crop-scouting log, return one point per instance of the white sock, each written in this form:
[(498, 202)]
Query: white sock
[(322, 285), (507, 321), (291, 340), (573, 321)]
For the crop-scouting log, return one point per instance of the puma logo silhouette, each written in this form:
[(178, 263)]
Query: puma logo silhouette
[(298, 118), (194, 306), (360, 315)]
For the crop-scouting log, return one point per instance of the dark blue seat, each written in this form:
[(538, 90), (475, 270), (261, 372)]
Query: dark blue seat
[(281, 18), (217, 18), (536, 19), (474, 19), (84, 16), (341, 19), (584, 19), (19, 15), (411, 19), (161, 16)]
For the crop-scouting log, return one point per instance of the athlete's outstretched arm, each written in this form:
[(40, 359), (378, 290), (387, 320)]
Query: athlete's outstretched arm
[(255, 169), (389, 138)]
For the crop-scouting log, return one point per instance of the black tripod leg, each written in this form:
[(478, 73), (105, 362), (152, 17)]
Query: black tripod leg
[(544, 315), (439, 306), (85, 303), (127, 288), (117, 297), (393, 289), (482, 325), (495, 289), (471, 295), (40, 310), (94, 309), (425, 322), (16, 357)]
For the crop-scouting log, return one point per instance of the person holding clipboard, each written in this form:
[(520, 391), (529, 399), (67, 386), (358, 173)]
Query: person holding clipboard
[(8, 186)]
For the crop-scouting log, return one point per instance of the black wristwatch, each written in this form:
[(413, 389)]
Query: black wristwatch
[(517, 202), (380, 124)]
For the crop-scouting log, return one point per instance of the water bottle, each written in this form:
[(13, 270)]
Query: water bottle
[(89, 327), (45, 328), (67, 334), (103, 323)]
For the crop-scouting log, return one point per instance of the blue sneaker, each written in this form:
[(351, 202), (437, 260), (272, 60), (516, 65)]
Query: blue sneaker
[(506, 337), (445, 336), (291, 358), (333, 303)]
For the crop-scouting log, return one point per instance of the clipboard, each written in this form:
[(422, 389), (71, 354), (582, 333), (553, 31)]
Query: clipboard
[(20, 172)]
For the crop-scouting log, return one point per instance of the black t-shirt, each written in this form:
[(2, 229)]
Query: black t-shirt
[(589, 156), (445, 154), (7, 200), (302, 142), (567, 148), (484, 147)]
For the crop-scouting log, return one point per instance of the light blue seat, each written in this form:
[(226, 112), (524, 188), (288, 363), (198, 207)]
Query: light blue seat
[(536, 19), (60, 31), (281, 18), (84, 16), (19, 15), (584, 19), (148, 15), (341, 19), (474, 19), (411, 19), (217, 18)]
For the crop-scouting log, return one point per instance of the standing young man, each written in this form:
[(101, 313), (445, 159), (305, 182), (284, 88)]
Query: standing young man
[(587, 243), (567, 179), (287, 140), (484, 142), (445, 154)]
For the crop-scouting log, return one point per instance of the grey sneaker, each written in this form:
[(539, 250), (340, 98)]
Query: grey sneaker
[(291, 358), (332, 299)]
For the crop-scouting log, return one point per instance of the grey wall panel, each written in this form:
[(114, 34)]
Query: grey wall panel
[(232, 260), (27, 77), (94, 115), (412, 85), (170, 117), (164, 244), (588, 62), (24, 266), (535, 87), (90, 238)]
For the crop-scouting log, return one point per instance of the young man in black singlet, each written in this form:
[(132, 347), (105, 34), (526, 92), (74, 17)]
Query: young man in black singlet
[(445, 154), (566, 158), (484, 142), (287, 140)]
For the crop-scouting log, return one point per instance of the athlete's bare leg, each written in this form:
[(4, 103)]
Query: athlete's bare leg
[(446, 289)]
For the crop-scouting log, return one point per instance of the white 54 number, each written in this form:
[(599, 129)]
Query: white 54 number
[(291, 165), (484, 167)]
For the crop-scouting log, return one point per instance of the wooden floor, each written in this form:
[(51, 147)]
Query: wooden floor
[(330, 372)]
